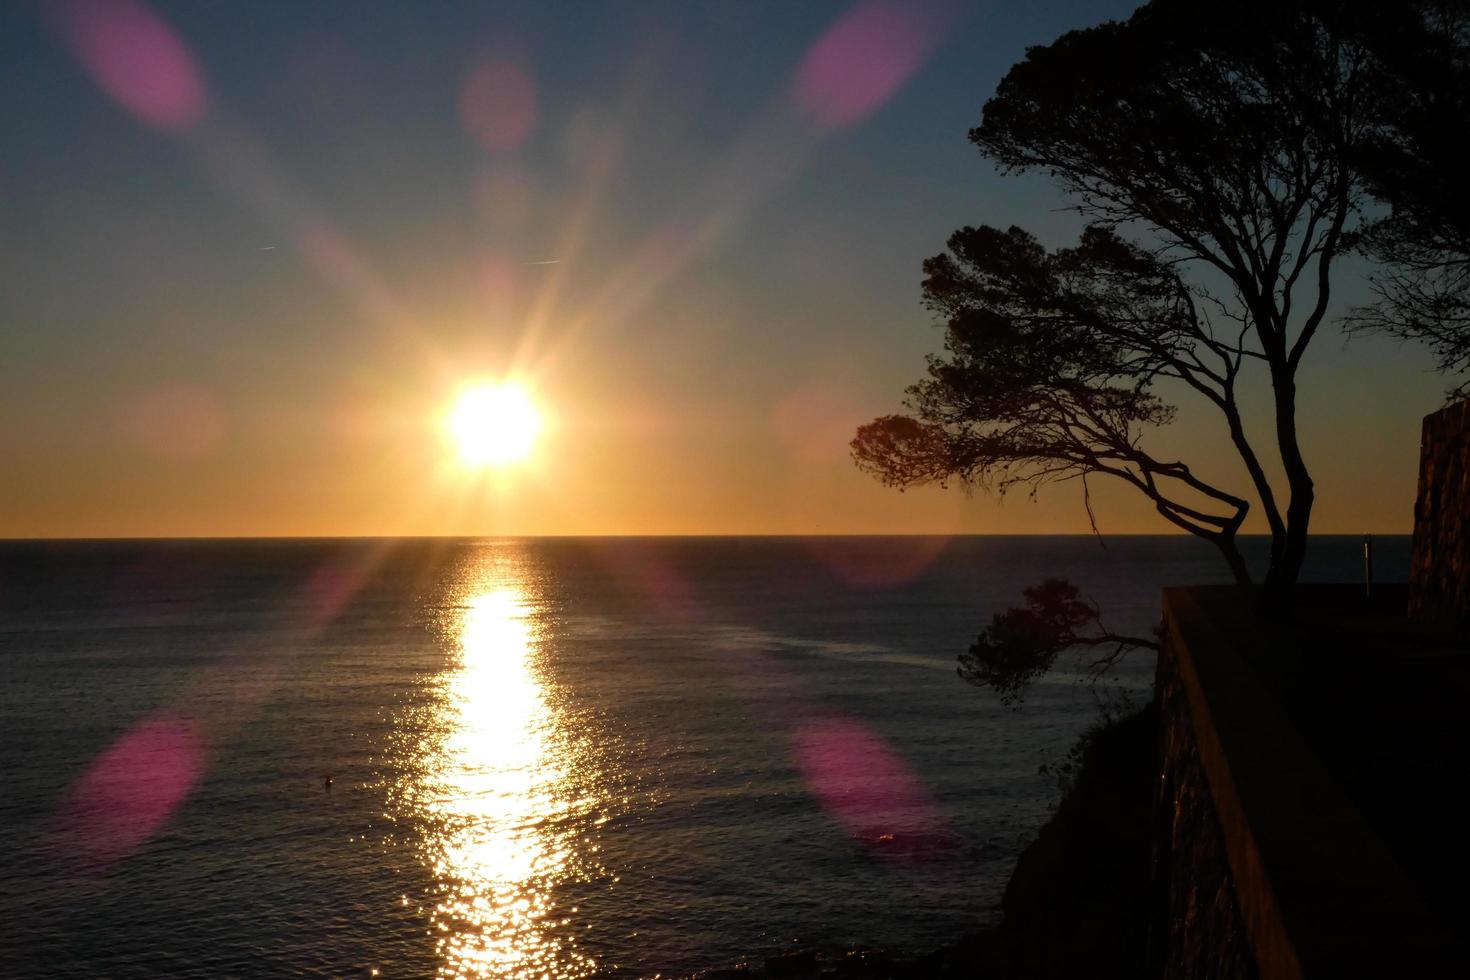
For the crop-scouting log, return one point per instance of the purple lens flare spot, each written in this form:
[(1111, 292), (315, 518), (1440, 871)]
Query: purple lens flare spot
[(129, 793), (863, 59), (868, 789), (137, 59)]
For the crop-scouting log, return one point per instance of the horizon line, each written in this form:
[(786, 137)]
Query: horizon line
[(678, 535)]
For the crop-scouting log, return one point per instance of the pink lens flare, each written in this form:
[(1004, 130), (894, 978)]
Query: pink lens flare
[(867, 788), (336, 259), (657, 579), (127, 795), (859, 563), (175, 420), (328, 589), (864, 58), (815, 422), (328, 252), (136, 58), (666, 588), (499, 282), (664, 250), (497, 104)]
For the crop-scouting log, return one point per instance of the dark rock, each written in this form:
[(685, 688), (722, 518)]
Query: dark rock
[(1077, 903), (799, 964)]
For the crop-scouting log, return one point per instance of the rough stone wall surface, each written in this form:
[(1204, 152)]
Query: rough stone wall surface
[(1439, 575), (1199, 931)]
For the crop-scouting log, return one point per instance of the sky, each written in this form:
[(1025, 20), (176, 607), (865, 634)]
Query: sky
[(251, 253)]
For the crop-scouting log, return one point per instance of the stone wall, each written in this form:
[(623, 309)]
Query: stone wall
[(1199, 914), (1264, 868), (1439, 576), (1218, 912)]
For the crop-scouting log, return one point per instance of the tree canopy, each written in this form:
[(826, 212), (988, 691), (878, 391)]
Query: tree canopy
[(1415, 166), (1213, 150)]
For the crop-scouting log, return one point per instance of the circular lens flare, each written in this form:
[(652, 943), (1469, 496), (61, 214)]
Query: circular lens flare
[(494, 424)]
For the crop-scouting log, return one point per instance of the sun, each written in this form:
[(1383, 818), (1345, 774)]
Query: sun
[(494, 424)]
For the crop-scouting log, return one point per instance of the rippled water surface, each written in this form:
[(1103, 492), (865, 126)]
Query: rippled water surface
[(524, 758)]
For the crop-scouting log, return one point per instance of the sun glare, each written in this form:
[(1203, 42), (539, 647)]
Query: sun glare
[(494, 424)]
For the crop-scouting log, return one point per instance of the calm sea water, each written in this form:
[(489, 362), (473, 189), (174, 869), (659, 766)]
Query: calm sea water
[(553, 757)]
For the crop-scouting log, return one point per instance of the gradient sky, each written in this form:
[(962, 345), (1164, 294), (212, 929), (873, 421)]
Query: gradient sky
[(249, 253)]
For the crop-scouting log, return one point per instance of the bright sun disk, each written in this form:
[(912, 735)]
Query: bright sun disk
[(494, 424)]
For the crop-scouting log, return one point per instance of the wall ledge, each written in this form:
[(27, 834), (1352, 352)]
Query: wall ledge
[(1317, 891)]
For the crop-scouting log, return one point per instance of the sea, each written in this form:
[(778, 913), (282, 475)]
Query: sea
[(533, 758)]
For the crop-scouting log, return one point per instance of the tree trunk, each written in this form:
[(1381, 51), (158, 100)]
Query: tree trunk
[(1288, 554), (1262, 483)]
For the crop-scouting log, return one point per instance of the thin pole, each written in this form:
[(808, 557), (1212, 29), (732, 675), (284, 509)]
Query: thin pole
[(1368, 565)]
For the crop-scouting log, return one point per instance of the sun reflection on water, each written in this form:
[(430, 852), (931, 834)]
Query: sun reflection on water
[(496, 792)]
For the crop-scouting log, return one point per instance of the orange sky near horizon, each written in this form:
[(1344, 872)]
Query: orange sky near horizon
[(612, 460)]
